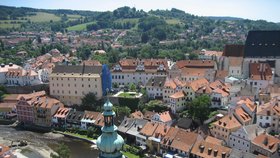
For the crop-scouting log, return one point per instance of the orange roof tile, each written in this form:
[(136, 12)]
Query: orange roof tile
[(137, 114), (177, 95), (149, 128), (195, 64), (221, 74), (193, 72), (165, 116), (260, 71), (209, 150), (266, 142), (213, 140), (228, 122), (161, 131), (62, 112), (195, 85), (242, 115)]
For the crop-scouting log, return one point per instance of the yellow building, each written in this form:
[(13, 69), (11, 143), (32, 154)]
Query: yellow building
[(71, 83)]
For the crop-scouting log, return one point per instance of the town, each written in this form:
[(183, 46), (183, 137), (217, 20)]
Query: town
[(220, 104), (128, 83)]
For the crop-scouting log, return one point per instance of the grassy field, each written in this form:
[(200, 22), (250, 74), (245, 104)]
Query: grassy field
[(43, 17), (73, 17), (39, 17), (132, 20), (8, 25), (173, 21), (79, 27)]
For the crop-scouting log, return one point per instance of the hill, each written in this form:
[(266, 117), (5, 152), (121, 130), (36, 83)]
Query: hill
[(168, 26)]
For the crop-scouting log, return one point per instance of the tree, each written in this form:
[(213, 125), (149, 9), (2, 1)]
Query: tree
[(122, 110), (132, 87), (39, 40), (200, 108), (90, 102), (144, 37), (193, 56), (154, 105), (62, 151), (2, 46)]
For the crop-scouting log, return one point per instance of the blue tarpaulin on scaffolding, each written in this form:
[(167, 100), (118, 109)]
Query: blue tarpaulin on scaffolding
[(106, 79)]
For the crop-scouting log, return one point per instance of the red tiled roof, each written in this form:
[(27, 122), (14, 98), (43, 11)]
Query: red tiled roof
[(195, 64), (165, 116), (62, 112), (260, 71), (177, 95), (266, 142), (149, 128)]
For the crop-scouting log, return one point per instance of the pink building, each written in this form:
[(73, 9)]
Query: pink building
[(25, 112)]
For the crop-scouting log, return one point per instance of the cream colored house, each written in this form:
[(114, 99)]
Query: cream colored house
[(222, 128), (71, 83)]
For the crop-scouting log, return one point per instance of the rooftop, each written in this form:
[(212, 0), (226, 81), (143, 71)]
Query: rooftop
[(262, 44), (177, 95), (228, 122), (207, 149), (195, 64), (77, 69), (62, 112), (266, 142), (260, 71), (157, 81), (233, 51)]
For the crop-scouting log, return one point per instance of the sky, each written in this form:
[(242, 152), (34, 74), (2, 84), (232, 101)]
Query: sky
[(249, 9)]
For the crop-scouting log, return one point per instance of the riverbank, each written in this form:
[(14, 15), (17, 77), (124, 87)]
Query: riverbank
[(41, 145), (77, 136)]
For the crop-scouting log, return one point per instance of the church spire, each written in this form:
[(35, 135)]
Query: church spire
[(109, 143)]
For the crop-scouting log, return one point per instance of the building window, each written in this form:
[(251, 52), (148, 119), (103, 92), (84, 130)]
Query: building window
[(89, 85), (89, 79), (75, 92)]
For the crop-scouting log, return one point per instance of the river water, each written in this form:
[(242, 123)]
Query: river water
[(40, 145)]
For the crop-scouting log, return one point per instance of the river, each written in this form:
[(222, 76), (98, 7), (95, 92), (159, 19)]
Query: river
[(40, 145)]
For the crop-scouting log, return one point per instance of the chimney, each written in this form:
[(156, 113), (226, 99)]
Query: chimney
[(215, 153), (201, 148), (265, 141), (223, 154), (209, 151)]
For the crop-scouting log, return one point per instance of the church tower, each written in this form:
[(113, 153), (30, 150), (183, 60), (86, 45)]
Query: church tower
[(109, 143)]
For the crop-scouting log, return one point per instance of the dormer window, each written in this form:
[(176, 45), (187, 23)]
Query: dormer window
[(161, 67), (117, 67), (140, 67)]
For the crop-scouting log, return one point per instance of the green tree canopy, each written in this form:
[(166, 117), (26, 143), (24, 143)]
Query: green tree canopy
[(200, 107), (154, 105), (90, 102), (62, 151), (193, 56)]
